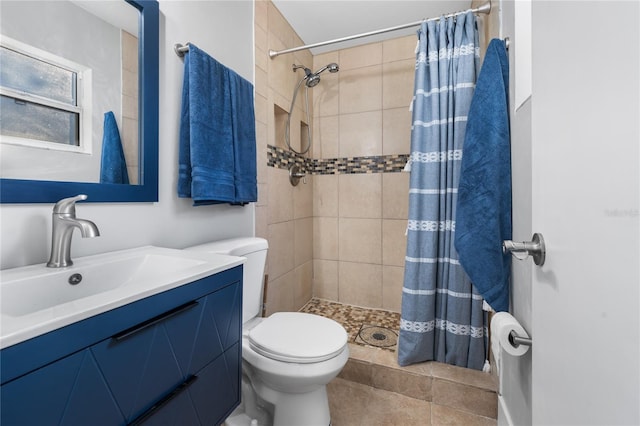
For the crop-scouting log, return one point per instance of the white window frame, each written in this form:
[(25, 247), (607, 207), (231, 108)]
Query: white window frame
[(83, 96)]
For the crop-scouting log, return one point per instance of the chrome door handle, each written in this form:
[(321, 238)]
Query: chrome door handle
[(534, 248)]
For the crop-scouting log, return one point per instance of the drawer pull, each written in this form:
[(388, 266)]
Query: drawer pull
[(153, 321), (164, 401)]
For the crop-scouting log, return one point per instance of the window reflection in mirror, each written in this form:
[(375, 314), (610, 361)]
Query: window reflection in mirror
[(64, 65), (42, 104)]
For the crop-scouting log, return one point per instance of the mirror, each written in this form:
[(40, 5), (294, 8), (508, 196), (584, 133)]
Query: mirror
[(72, 167)]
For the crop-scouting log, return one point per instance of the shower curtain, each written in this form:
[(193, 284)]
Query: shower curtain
[(441, 315)]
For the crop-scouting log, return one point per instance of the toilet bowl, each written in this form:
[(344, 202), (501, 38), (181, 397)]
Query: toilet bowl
[(288, 357)]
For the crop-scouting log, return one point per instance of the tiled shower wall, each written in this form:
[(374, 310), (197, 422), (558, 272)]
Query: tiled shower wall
[(341, 235), (284, 214), (360, 218)]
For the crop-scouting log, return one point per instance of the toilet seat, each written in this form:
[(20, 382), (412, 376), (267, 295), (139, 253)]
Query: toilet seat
[(297, 337)]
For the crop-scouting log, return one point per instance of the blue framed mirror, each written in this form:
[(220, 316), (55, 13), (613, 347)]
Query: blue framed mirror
[(32, 187)]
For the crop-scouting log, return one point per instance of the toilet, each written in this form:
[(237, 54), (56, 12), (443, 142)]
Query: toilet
[(287, 358)]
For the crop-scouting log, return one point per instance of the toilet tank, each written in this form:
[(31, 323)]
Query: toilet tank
[(255, 251)]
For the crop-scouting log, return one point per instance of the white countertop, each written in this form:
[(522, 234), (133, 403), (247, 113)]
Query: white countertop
[(27, 312)]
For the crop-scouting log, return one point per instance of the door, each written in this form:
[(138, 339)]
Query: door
[(585, 201)]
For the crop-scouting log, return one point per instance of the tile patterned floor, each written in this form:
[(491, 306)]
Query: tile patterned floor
[(366, 327)]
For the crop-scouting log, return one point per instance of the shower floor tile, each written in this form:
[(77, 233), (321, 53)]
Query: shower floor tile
[(365, 326)]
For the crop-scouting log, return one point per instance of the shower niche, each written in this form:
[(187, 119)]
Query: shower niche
[(299, 130), (304, 135)]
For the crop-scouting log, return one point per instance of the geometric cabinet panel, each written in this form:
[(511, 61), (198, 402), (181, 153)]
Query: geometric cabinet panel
[(68, 392), (208, 400), (142, 367), (138, 369), (223, 308), (219, 326), (218, 382)]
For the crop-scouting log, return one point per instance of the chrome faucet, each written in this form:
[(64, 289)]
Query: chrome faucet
[(64, 221)]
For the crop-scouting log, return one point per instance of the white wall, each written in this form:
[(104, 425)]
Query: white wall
[(225, 30)]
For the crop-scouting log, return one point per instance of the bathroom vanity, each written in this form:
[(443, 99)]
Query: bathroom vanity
[(169, 358)]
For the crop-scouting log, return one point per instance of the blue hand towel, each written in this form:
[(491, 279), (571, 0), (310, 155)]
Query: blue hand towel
[(244, 136), (483, 216), (113, 167), (217, 161)]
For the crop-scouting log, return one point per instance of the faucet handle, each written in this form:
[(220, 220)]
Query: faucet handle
[(68, 205)]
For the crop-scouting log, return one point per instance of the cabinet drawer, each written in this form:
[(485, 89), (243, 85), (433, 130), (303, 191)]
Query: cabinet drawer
[(141, 367), (206, 398), (143, 363)]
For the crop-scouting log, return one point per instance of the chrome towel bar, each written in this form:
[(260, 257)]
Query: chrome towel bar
[(181, 49)]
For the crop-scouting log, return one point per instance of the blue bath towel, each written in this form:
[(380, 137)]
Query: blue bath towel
[(217, 152), (483, 218), (113, 167)]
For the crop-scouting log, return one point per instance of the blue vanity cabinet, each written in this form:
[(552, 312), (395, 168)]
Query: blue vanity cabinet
[(172, 358)]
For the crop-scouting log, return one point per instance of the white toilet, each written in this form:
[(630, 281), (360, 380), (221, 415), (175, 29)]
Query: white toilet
[(288, 358)]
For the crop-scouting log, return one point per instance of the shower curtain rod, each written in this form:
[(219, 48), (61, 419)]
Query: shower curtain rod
[(485, 9)]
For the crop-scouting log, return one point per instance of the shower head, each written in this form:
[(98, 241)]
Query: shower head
[(313, 78), (332, 67)]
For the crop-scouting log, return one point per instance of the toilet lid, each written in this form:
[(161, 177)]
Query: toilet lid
[(298, 337)]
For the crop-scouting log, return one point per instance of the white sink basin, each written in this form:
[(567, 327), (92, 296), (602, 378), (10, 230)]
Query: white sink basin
[(35, 299)]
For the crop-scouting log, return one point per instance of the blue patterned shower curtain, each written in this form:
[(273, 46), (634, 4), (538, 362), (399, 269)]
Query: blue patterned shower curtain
[(442, 317)]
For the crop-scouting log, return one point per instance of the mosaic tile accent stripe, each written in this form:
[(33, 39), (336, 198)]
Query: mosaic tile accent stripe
[(282, 159)]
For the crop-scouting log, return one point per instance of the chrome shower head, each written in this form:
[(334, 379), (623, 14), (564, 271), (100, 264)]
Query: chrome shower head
[(333, 67), (313, 78)]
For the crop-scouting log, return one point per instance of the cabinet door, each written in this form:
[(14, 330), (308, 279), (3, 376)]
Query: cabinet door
[(70, 391), (218, 329), (206, 398), (217, 391), (145, 362), (215, 362), (140, 364)]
